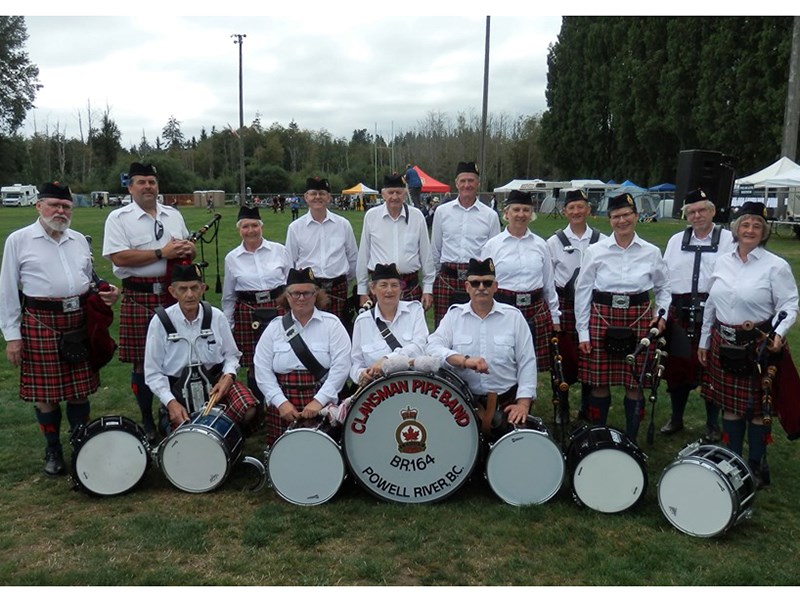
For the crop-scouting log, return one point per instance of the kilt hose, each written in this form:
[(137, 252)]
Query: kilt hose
[(44, 376), (444, 286), (244, 335), (538, 317), (682, 371), (568, 340), (740, 395), (299, 388), (136, 312), (602, 369)]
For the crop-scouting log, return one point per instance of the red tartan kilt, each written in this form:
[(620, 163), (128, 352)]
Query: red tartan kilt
[(568, 339), (538, 317), (443, 288), (682, 370), (412, 290), (44, 377), (338, 301), (299, 387), (244, 335), (136, 312), (738, 395), (238, 401), (602, 369)]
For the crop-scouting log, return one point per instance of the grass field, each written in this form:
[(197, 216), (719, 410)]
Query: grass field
[(157, 535)]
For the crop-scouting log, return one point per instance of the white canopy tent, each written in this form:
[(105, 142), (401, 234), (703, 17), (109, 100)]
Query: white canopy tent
[(775, 175)]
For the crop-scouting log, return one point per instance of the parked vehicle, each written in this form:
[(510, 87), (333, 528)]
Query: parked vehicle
[(19, 195)]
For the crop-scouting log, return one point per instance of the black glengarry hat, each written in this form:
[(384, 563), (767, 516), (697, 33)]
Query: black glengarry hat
[(186, 273), (467, 167), (248, 212), (621, 201), (300, 276), (480, 267), (55, 189), (393, 180), (137, 168), (317, 183), (385, 272)]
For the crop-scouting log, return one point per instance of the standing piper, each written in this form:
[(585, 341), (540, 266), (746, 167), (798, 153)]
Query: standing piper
[(567, 248), (612, 311), (690, 257), (460, 229), (44, 284), (139, 239), (396, 233), (325, 242)]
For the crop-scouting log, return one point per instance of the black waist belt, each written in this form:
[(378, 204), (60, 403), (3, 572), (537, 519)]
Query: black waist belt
[(518, 298), (258, 297), (685, 300), (457, 272), (63, 305), (742, 334), (329, 283), (155, 286), (618, 300)]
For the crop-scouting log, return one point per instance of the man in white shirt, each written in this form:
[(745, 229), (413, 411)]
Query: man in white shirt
[(396, 233)]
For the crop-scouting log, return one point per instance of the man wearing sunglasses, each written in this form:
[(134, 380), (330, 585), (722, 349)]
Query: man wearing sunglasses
[(139, 239), (489, 345)]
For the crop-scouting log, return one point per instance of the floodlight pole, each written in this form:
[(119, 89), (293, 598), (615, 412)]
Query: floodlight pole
[(239, 39), (482, 158)]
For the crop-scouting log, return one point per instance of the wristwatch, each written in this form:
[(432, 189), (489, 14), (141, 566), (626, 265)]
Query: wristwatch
[(159, 256)]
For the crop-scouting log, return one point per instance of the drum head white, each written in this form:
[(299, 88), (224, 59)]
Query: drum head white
[(194, 460), (111, 462), (608, 480), (306, 467), (696, 498), (525, 467)]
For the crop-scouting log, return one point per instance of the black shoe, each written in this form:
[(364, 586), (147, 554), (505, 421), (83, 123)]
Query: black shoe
[(712, 435), (53, 462), (672, 426), (760, 471)]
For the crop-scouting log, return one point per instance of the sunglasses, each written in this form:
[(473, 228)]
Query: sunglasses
[(476, 283), (158, 229)]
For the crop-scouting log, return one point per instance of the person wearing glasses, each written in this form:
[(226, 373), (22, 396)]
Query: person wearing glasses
[(489, 345), (303, 358), (613, 312), (325, 242), (139, 239), (45, 280)]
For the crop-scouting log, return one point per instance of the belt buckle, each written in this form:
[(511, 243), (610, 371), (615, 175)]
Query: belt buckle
[(158, 288), (263, 297), (291, 333), (461, 274), (72, 304), (727, 333), (524, 299), (620, 301)]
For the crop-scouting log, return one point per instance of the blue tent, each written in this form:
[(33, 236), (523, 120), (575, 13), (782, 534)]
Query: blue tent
[(629, 183), (663, 187)]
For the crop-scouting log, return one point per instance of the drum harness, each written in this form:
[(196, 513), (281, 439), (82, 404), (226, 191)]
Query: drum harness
[(569, 287), (695, 308)]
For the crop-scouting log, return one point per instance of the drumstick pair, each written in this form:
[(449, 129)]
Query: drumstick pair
[(211, 402)]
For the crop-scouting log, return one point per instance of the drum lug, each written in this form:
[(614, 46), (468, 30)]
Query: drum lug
[(262, 471), (689, 449)]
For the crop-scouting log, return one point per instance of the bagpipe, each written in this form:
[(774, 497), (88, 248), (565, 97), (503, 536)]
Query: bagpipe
[(652, 369), (194, 237), (99, 317), (560, 387), (766, 365)]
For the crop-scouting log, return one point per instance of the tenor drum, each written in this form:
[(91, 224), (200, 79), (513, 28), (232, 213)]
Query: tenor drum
[(412, 437), (608, 471), (305, 463), (706, 490), (198, 456), (110, 456)]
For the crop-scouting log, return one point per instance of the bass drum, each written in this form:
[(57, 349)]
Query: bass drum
[(706, 490), (110, 456), (412, 437), (305, 463), (198, 456), (525, 466), (608, 471)]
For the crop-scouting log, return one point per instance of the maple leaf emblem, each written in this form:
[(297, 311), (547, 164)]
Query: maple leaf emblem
[(410, 434)]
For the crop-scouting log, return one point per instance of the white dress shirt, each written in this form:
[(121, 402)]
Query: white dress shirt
[(164, 358), (565, 263), (502, 338), (459, 233), (329, 247), (680, 264), (131, 228), (408, 327), (42, 268), (755, 290), (607, 267), (385, 240), (245, 271), (523, 265), (327, 341)]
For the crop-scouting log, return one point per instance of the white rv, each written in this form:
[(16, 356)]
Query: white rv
[(19, 195)]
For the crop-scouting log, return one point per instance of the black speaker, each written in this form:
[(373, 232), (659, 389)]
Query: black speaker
[(712, 171)]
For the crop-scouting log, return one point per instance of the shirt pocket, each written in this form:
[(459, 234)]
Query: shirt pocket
[(504, 348), (142, 240), (373, 351), (321, 352), (462, 343)]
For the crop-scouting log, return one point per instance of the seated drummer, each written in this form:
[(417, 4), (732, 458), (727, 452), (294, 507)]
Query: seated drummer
[(489, 345), (391, 328), (201, 336)]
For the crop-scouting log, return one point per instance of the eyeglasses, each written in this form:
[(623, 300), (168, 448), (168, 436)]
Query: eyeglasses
[(158, 229), (58, 205), (298, 295), (476, 283), (623, 216)]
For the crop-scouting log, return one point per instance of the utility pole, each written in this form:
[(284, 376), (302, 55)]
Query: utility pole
[(239, 39), (791, 116), (482, 158)]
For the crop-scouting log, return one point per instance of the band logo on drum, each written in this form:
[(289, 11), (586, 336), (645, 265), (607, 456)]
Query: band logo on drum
[(410, 435)]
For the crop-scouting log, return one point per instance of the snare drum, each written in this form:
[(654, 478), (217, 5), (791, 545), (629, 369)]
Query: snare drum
[(110, 456), (412, 437), (198, 456), (305, 463), (609, 471), (525, 466), (706, 490)]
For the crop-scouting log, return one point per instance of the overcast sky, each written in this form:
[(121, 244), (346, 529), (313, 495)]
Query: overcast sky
[(338, 73)]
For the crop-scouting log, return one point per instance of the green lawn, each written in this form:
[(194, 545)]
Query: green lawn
[(157, 535)]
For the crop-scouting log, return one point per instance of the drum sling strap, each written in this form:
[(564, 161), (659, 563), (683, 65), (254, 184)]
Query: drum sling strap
[(562, 237), (386, 333), (301, 350), (698, 254)]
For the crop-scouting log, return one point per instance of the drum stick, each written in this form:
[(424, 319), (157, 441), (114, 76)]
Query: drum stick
[(211, 402)]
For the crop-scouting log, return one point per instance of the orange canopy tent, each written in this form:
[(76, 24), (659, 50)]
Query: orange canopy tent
[(429, 184)]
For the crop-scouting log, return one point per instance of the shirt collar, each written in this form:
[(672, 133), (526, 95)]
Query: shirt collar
[(401, 308), (39, 231), (240, 249)]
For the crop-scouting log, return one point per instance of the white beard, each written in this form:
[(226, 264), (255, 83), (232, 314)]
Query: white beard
[(57, 224)]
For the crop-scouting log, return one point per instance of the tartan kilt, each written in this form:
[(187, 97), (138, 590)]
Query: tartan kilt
[(299, 388), (682, 370), (443, 287), (568, 340), (244, 335), (339, 302), (739, 395), (602, 369), (412, 290), (44, 376), (136, 312), (538, 317), (238, 401)]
